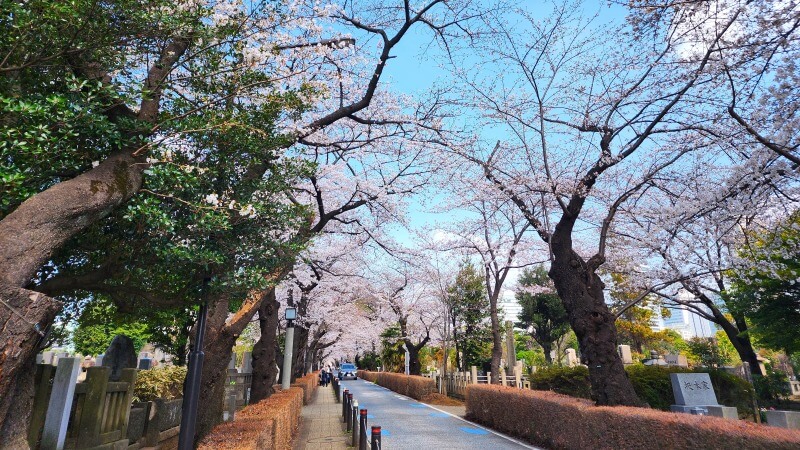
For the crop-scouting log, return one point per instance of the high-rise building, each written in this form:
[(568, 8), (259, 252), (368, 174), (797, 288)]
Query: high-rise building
[(689, 324), (509, 306)]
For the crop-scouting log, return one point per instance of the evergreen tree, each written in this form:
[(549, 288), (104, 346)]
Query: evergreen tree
[(469, 311), (542, 310)]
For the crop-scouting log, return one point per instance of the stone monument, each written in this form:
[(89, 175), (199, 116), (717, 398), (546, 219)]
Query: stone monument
[(247, 362), (693, 391), (145, 364), (676, 360), (571, 357), (625, 354), (119, 355)]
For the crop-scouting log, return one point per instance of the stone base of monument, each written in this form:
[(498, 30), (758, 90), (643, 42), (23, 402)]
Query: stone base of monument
[(784, 419), (726, 412)]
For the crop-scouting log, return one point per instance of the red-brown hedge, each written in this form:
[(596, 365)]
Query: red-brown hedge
[(410, 385), (309, 385), (268, 424), (560, 422)]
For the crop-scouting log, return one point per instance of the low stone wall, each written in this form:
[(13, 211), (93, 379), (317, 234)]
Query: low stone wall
[(560, 422), (410, 385), (154, 422), (268, 424)]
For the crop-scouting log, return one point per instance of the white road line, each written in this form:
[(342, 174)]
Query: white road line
[(509, 438)]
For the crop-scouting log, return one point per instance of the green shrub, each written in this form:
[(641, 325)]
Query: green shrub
[(166, 384), (572, 381), (651, 383), (732, 391), (772, 386)]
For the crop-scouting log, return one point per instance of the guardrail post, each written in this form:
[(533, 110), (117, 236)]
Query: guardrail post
[(354, 424), (349, 417), (362, 430), (344, 405), (376, 438)]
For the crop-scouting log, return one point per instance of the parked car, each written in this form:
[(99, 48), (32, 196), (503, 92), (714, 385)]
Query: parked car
[(347, 371)]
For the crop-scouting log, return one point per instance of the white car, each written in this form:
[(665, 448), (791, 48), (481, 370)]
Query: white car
[(347, 371)]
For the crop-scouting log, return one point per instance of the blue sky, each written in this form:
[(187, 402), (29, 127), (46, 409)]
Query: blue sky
[(416, 68)]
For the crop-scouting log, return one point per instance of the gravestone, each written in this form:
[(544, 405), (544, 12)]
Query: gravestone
[(247, 362), (693, 390), (47, 358), (232, 364), (625, 354), (119, 355), (784, 419), (676, 360), (511, 354), (571, 357), (145, 364)]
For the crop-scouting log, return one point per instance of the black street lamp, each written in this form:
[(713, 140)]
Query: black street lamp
[(191, 394)]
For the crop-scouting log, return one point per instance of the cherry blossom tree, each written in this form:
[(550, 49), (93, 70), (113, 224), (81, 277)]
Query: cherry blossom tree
[(693, 227), (496, 232), (587, 117), (291, 47)]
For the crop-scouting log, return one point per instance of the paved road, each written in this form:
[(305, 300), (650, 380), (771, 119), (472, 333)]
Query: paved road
[(408, 424)]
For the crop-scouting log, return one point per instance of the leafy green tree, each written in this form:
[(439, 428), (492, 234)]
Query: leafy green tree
[(767, 291), (392, 352), (469, 311), (543, 312), (712, 352), (98, 325)]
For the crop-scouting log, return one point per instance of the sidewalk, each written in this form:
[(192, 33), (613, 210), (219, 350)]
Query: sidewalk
[(321, 425)]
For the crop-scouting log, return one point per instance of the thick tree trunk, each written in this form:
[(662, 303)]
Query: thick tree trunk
[(581, 290), (310, 359), (414, 366), (41, 225), (221, 334), (29, 237), (218, 346), (737, 333), (744, 347), (265, 368), (300, 348), (497, 341), (547, 347), (24, 315)]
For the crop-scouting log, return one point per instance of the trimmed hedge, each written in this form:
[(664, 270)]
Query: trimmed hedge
[(270, 423), (412, 386), (651, 383), (308, 384), (560, 422)]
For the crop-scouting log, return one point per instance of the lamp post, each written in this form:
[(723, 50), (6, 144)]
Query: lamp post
[(286, 373), (191, 395)]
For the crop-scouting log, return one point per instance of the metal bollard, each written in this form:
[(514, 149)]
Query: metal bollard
[(376, 438), (354, 425), (349, 418), (344, 405), (362, 430)]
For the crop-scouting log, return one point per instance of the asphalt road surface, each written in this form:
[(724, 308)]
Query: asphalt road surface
[(408, 424)]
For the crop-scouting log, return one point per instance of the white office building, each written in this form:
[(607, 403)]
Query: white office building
[(686, 322), (510, 308)]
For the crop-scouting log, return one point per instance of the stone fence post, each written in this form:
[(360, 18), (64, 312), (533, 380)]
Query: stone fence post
[(58, 408)]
